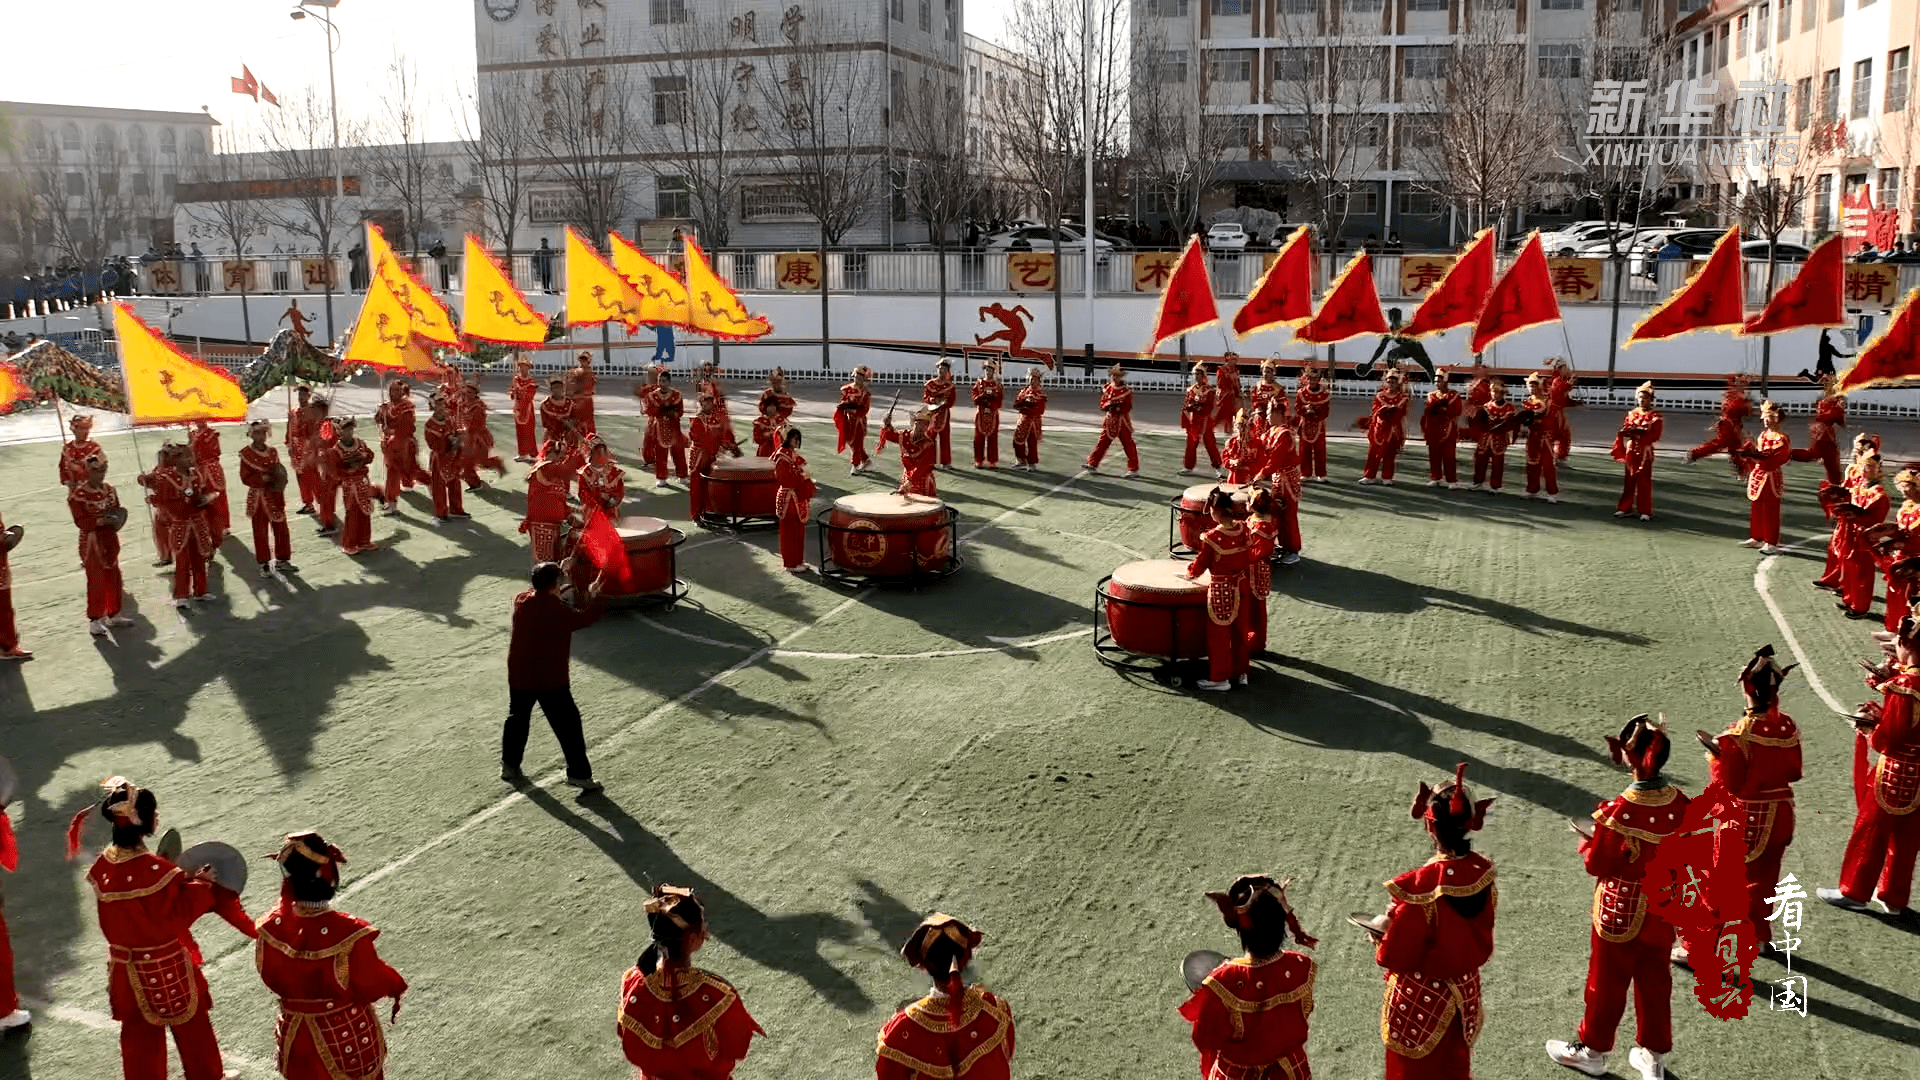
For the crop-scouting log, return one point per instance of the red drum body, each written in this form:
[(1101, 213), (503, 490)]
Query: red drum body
[(885, 535), (740, 487), (649, 542), (1154, 610), (1191, 519)]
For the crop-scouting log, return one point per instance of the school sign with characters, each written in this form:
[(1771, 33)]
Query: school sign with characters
[(1630, 124)]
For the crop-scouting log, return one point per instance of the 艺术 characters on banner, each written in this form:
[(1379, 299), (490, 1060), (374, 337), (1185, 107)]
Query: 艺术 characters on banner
[(1789, 993)]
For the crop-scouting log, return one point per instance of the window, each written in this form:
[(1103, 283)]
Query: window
[(1823, 203), (1835, 9), (1363, 5), (1862, 90), (1886, 189), (1559, 61), (973, 81), (1365, 133), (772, 202), (1233, 7), (1298, 66), (898, 9), (1496, 5), (196, 145), (953, 20), (1299, 7), (1167, 9), (1362, 201), (1786, 19), (926, 14), (1426, 5), (1418, 133), (1417, 203), (672, 197), (166, 140), (1231, 65), (670, 100), (1171, 67), (1688, 7), (143, 185), (1691, 63), (666, 12), (1740, 39), (1292, 132), (1424, 61), (109, 183), (1720, 50), (137, 143), (1897, 62), (1562, 5), (76, 184), (896, 94), (1360, 64), (70, 136), (1830, 95), (1630, 5), (1808, 8), (1762, 33), (1802, 104), (1234, 130)]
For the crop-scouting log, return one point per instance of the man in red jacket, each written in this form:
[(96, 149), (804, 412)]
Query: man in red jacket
[(539, 654)]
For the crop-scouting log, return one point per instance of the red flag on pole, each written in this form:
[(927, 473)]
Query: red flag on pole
[(1284, 294), (1714, 299), (1523, 297), (1813, 298), (1458, 298), (608, 551), (1892, 359), (1351, 307), (1187, 304), (266, 95), (247, 84)]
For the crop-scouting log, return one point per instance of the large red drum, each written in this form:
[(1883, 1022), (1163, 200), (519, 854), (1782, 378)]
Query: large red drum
[(649, 542), (740, 487), (883, 535), (1154, 610), (1191, 519)]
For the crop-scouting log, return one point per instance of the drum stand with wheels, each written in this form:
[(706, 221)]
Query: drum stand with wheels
[(1174, 670), (1175, 546), (920, 574), (675, 592), (731, 520)]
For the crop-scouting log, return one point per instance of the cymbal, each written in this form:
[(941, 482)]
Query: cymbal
[(229, 867), (1583, 828), (1368, 921), (114, 519), (1198, 965), (11, 538), (169, 846)]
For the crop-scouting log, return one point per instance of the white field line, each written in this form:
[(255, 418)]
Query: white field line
[(1760, 585), (935, 654), (99, 1021)]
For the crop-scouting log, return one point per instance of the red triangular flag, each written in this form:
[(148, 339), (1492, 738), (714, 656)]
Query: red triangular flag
[(1813, 298), (1284, 294), (1892, 359), (1351, 307), (246, 84), (607, 550), (1458, 298), (1716, 297), (1187, 304), (1522, 297), (266, 95)]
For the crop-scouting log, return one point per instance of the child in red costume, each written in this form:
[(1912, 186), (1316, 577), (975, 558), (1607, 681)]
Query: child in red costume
[(1249, 1016), (1386, 428), (961, 1031), (792, 502), (1886, 829), (1227, 555), (1439, 426), (677, 1020)]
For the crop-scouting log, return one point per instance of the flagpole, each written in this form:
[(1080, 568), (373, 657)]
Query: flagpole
[(133, 427)]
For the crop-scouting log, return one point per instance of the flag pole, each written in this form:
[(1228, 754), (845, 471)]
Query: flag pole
[(133, 426)]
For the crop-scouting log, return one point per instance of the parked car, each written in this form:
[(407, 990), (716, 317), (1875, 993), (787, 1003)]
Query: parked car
[(1568, 239), (1756, 251), (1041, 238), (1279, 238), (1116, 243), (1226, 236)]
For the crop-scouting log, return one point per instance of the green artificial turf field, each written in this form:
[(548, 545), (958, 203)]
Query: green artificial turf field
[(823, 766)]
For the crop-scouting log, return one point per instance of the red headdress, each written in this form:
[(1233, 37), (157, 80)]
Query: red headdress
[(932, 929), (313, 848), (121, 803), (1761, 679), (1236, 904), (1456, 806), (1642, 745)]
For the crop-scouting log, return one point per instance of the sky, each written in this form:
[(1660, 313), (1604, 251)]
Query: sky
[(179, 55)]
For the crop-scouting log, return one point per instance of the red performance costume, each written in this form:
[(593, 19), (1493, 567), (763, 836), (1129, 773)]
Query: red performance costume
[(210, 478), (708, 385), (326, 483), (1433, 940), (850, 418), (97, 514), (348, 461), (1266, 392), (522, 392), (188, 535), (1386, 429), (1823, 442), (601, 484), (1249, 1015), (556, 415), (266, 482), (1633, 447), (1282, 467), (324, 968), (147, 907), (917, 449), (1226, 398), (1116, 403), (988, 396), (1542, 469), (1559, 400), (444, 462), (1196, 418), (1246, 454), (1904, 543), (1730, 430), (9, 649), (1757, 760), (399, 443), (669, 441), (766, 428), (1886, 829), (547, 507), (938, 395), (476, 439), (580, 390), (1852, 553), (790, 503), (1766, 463), (75, 452), (1498, 420), (303, 440), (1312, 403), (1439, 426), (11, 1014), (1226, 553), (710, 434), (961, 1031), (678, 1022), (1031, 404)]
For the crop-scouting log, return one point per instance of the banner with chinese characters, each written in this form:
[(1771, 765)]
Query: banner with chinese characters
[(798, 270), (163, 277), (1576, 280), (317, 274), (1418, 273), (1152, 268), (236, 275), (1030, 271), (1872, 285)]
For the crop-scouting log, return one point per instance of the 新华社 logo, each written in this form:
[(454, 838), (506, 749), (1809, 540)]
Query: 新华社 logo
[(1628, 124)]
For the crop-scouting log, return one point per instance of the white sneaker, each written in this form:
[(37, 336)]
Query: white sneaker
[(16, 1018), (803, 568), (1455, 486), (1367, 480), (1186, 472), (1552, 498), (1578, 1056), (1209, 684), (97, 627), (118, 620), (1769, 549), (1652, 1066), (1289, 558), (1131, 473), (1478, 487), (1436, 483), (1388, 483), (1646, 517), (1529, 495), (661, 485), (1622, 513), (1839, 900), (1750, 542)]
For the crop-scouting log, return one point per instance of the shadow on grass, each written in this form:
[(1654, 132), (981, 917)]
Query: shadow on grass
[(1350, 588)]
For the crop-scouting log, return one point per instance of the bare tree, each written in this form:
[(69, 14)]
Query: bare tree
[(219, 196), (707, 113), (1178, 147), (17, 203), (585, 129), (297, 148), (1331, 78), (495, 130), (942, 179), (81, 199), (394, 164)]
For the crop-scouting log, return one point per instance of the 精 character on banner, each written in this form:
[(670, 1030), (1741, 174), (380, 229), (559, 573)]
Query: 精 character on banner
[(1196, 417), (1226, 555), (938, 395), (1765, 460), (1499, 422), (1226, 391), (1249, 1015), (669, 441), (1536, 415), (399, 444), (850, 418), (170, 484), (1282, 470), (1435, 937), (917, 452), (147, 907), (444, 461), (1386, 427), (265, 479), (1823, 442), (989, 394), (210, 477), (1116, 403), (1266, 389), (1031, 404), (1629, 947), (523, 391), (960, 1031), (709, 433), (324, 967), (1312, 401), (792, 499), (1633, 446), (1886, 828), (10, 650), (97, 513), (774, 395), (1730, 429), (1439, 426), (75, 451), (677, 1020), (1246, 453)]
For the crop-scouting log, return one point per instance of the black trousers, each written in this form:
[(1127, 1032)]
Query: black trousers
[(563, 716)]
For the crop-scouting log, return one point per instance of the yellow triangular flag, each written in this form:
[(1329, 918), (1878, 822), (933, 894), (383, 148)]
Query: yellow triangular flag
[(663, 299), (595, 293), (716, 311), (166, 387), (429, 316), (383, 334), (493, 309)]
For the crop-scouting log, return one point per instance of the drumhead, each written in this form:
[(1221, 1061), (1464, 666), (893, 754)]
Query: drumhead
[(641, 528), (886, 504), (1195, 497), (745, 466), (1159, 575)]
